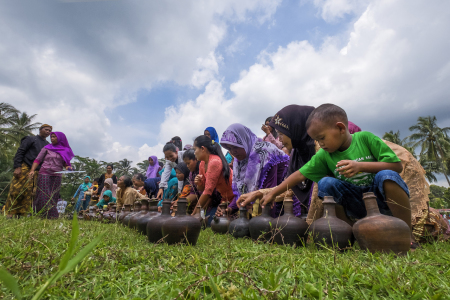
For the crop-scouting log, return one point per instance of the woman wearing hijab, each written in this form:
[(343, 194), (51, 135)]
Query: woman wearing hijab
[(257, 164), (153, 167), (183, 172), (54, 158), (290, 124), (271, 134), (212, 134), (109, 174), (83, 201), (109, 185)]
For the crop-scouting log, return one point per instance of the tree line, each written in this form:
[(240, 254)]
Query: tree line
[(432, 141)]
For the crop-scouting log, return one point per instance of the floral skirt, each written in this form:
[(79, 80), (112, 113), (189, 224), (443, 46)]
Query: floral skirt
[(20, 197), (47, 196)]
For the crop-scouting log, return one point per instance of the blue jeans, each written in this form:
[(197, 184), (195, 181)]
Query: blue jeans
[(82, 205), (211, 212), (350, 196)]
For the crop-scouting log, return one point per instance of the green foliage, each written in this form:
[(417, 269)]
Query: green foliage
[(126, 266), (439, 197), (395, 138), (434, 142)]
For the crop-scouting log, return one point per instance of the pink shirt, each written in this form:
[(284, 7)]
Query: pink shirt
[(52, 162), (213, 179)]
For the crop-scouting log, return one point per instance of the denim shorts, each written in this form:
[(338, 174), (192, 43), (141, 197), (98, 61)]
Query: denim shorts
[(350, 196)]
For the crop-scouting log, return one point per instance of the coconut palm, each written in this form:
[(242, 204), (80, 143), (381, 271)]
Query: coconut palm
[(395, 138), (23, 125), (123, 167), (434, 142), (143, 166)]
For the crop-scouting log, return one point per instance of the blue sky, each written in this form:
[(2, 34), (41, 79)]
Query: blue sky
[(120, 78)]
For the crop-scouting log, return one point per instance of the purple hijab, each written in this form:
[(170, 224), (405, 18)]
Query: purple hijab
[(152, 171), (248, 174), (62, 147)]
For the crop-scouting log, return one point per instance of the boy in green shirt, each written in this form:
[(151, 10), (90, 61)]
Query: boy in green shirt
[(348, 166)]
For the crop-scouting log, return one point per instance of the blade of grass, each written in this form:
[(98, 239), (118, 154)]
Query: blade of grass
[(72, 243), (10, 282)]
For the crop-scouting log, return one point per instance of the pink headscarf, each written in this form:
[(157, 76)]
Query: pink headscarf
[(352, 127), (112, 188)]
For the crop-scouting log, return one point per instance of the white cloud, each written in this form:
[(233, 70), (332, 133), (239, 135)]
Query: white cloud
[(391, 70), (69, 62)]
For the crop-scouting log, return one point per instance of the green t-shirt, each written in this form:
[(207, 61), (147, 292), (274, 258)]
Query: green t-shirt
[(365, 147)]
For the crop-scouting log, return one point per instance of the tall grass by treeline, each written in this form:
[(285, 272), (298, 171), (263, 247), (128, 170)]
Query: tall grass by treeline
[(125, 266)]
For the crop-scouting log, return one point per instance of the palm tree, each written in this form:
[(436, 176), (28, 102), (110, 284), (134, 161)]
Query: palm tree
[(143, 166), (434, 142), (23, 124), (395, 138), (123, 167)]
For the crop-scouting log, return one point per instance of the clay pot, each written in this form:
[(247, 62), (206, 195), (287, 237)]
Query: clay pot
[(381, 233), (87, 216), (182, 228), (113, 215), (126, 209), (136, 210), (144, 210), (152, 212), (290, 230), (261, 224), (239, 227), (330, 229), (175, 208), (221, 224), (154, 226)]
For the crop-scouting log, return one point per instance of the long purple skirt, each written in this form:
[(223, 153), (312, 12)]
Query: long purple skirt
[(47, 195)]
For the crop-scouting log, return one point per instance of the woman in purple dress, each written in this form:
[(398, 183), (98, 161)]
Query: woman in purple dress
[(258, 164), (54, 157)]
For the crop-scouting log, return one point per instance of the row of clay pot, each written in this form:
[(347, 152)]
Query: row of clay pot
[(96, 214), (375, 232)]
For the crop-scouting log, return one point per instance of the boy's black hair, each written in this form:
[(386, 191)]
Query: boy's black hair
[(189, 154), (327, 113), (96, 179), (160, 164)]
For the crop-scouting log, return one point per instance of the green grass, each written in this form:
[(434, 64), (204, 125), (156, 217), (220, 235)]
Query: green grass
[(125, 266)]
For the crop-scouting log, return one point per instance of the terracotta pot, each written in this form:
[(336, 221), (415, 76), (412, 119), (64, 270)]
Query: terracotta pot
[(144, 210), (221, 224), (381, 233), (239, 227), (136, 210), (330, 229), (113, 215), (154, 226), (126, 209), (88, 216), (290, 230), (175, 208), (141, 223), (99, 215), (182, 228), (260, 227)]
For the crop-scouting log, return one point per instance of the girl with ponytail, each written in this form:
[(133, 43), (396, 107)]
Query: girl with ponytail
[(215, 173)]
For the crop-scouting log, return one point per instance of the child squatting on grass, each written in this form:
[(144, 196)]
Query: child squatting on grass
[(349, 165)]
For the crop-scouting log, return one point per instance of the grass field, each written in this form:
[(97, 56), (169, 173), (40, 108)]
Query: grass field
[(125, 266)]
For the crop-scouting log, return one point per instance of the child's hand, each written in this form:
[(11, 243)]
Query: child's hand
[(198, 179), (348, 168)]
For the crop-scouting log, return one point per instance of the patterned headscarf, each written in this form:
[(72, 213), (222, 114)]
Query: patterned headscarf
[(62, 147), (152, 171), (291, 121), (247, 172)]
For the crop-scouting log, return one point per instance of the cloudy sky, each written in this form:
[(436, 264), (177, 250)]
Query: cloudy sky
[(120, 78)]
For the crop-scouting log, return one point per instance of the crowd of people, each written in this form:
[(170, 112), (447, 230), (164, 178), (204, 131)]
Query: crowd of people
[(307, 152)]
